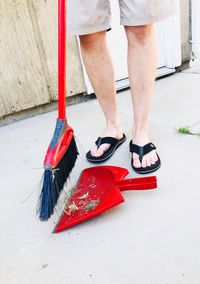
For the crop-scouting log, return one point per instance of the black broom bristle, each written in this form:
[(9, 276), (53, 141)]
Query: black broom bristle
[(54, 181)]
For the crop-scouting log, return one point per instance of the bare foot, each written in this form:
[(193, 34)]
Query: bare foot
[(110, 131), (141, 138)]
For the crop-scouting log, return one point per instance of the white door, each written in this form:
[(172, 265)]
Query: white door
[(168, 43), (196, 29)]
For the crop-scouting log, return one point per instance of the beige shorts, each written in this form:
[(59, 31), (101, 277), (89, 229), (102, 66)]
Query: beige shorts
[(90, 16)]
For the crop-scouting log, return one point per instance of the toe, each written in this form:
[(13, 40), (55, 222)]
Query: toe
[(136, 161), (98, 152), (144, 162), (148, 160), (103, 148), (93, 151), (153, 160), (155, 156)]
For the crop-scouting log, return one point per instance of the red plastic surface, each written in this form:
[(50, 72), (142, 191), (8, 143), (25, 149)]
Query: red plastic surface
[(144, 183), (54, 156), (98, 190)]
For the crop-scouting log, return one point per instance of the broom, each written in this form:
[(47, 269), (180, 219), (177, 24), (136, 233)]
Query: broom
[(62, 151)]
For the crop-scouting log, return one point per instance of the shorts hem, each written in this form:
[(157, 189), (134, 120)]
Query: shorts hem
[(147, 21), (92, 30)]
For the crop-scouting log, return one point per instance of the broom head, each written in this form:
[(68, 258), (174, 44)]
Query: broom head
[(58, 164)]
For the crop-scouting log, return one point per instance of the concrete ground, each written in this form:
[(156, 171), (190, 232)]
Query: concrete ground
[(152, 238)]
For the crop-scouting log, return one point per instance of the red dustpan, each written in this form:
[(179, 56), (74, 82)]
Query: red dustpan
[(98, 190)]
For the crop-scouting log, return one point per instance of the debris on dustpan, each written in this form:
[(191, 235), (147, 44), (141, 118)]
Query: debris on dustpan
[(97, 190)]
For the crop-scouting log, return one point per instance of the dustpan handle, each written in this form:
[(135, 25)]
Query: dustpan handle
[(138, 183), (62, 59)]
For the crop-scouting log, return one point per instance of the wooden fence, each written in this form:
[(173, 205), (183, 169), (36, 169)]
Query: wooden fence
[(28, 56)]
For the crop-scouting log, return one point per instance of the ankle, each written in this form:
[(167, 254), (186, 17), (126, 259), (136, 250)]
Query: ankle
[(141, 129), (114, 130), (140, 135), (113, 125)]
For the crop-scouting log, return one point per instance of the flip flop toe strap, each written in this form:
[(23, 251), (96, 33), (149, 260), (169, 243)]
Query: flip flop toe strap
[(106, 140), (141, 150)]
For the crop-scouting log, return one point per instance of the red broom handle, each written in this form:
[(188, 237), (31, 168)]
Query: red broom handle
[(62, 59)]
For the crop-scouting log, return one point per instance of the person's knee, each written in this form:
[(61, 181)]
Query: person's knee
[(139, 33), (91, 40)]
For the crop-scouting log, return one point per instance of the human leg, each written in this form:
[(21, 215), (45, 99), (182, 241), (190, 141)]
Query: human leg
[(98, 63), (142, 71)]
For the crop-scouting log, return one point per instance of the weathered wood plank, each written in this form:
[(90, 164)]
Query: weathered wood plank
[(46, 17), (46, 14), (75, 79), (22, 83), (2, 109)]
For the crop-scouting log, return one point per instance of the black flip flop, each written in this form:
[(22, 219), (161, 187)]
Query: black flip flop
[(114, 144), (141, 151)]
